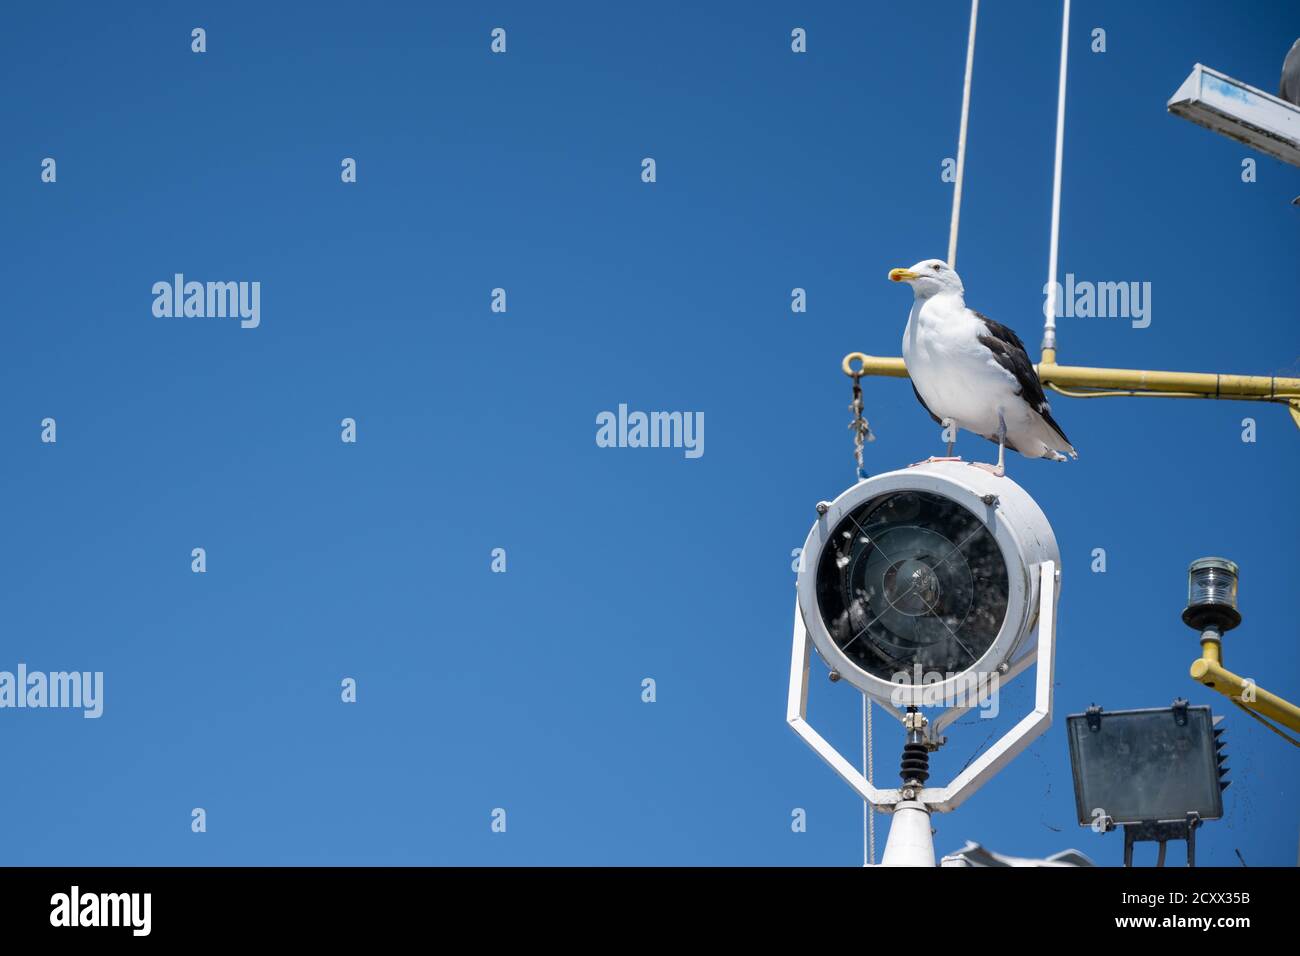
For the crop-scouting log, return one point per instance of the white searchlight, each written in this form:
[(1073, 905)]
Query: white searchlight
[(928, 587)]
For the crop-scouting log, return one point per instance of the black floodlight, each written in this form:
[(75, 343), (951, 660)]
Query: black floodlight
[(1157, 765)]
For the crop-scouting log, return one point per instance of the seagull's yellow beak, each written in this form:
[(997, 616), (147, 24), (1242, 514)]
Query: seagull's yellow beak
[(902, 275)]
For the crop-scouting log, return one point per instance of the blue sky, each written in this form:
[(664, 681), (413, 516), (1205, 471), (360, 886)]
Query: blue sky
[(476, 430)]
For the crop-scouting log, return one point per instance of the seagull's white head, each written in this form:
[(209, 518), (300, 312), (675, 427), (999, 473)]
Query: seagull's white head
[(929, 277)]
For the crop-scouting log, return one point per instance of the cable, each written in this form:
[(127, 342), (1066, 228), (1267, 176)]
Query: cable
[(1282, 399), (1285, 736), (1049, 326), (1116, 393), (961, 138)]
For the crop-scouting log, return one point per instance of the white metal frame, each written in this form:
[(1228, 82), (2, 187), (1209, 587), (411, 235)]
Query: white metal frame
[(1012, 743)]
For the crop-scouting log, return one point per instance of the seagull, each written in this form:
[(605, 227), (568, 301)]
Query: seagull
[(973, 373)]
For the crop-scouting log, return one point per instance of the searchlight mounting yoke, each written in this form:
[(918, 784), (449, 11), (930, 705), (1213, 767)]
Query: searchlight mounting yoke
[(927, 587)]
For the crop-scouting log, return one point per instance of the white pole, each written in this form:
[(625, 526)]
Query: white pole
[(961, 138), (910, 841), (1049, 308)]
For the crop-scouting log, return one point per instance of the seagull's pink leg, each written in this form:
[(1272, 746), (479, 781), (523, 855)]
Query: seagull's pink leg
[(946, 423), (1000, 469)]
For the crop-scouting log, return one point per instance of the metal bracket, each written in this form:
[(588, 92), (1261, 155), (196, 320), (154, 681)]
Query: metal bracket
[(1010, 745), (1093, 715), (1162, 832), (1180, 711), (796, 716)]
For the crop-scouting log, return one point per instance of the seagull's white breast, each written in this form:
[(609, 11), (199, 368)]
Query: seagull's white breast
[(955, 375)]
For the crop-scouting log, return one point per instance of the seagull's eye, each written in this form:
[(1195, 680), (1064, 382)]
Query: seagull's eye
[(935, 267)]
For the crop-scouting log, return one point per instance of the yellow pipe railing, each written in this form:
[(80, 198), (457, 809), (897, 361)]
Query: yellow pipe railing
[(1246, 694), (1214, 676), (1115, 382)]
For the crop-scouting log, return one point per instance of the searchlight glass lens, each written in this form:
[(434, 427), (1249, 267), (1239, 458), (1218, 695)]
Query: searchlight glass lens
[(912, 583)]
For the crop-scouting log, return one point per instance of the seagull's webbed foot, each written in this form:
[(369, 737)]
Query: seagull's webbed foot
[(934, 458), (997, 471)]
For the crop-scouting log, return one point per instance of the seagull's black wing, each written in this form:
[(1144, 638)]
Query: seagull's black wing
[(925, 406), (1010, 353)]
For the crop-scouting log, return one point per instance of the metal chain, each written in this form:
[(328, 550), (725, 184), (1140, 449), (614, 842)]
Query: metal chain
[(861, 435), (859, 426)]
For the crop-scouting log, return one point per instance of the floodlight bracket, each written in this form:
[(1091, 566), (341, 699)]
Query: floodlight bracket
[(1011, 744), (1180, 711), (1093, 716), (1162, 833)]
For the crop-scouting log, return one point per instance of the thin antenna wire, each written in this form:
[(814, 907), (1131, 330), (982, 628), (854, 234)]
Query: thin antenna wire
[(1285, 736), (961, 138), (868, 768), (1049, 309)]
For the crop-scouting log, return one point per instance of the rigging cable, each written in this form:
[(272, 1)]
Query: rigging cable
[(868, 811), (961, 138), (1049, 308)]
